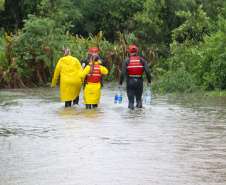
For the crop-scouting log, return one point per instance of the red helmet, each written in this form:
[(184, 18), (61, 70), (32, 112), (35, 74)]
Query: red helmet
[(133, 48), (94, 50)]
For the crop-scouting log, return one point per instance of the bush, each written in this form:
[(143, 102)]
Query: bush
[(2, 50), (178, 81), (30, 53), (215, 55), (204, 58)]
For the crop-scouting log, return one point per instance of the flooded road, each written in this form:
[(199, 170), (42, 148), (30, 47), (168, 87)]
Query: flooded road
[(179, 139)]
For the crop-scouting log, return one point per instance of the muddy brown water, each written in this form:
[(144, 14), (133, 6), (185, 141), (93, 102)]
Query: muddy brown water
[(178, 139)]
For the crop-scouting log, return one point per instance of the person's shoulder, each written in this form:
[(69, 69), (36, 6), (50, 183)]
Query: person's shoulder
[(103, 68), (127, 60), (141, 58), (60, 61), (88, 58), (75, 59)]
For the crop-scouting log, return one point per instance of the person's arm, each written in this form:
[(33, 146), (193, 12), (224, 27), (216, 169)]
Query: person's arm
[(123, 72), (147, 71), (56, 74), (82, 73), (86, 61), (103, 70)]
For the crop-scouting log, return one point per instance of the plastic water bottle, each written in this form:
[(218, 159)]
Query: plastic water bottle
[(147, 96), (118, 97)]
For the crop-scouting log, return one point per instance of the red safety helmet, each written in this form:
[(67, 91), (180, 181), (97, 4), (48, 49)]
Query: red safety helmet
[(133, 48), (94, 50)]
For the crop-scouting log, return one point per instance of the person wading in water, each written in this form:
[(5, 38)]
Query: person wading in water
[(70, 83), (93, 73), (133, 68)]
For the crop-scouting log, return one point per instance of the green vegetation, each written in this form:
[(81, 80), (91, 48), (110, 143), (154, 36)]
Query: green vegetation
[(216, 93), (183, 41), (6, 101)]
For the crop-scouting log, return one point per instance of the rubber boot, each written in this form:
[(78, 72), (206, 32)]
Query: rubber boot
[(67, 103), (131, 106), (139, 104), (88, 106), (75, 101), (95, 105)]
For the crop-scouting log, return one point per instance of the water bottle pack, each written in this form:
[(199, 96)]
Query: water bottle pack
[(118, 97), (147, 96)]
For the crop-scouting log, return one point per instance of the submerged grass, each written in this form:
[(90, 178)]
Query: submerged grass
[(216, 93), (7, 101)]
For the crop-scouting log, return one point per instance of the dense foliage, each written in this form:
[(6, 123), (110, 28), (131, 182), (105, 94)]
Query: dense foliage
[(183, 41)]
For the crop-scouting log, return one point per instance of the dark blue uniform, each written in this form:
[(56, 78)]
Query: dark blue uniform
[(134, 85)]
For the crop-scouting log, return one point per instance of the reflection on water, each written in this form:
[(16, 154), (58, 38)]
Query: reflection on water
[(176, 140)]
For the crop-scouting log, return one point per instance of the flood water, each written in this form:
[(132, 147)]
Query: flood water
[(178, 139)]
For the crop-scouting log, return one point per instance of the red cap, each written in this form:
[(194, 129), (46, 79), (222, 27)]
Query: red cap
[(133, 48), (94, 50)]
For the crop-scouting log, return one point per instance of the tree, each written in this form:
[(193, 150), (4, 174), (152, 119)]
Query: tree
[(106, 16), (63, 12), (198, 49), (2, 2), (147, 23), (15, 11)]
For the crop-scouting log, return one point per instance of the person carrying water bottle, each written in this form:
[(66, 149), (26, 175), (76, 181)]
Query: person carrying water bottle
[(92, 90), (133, 68)]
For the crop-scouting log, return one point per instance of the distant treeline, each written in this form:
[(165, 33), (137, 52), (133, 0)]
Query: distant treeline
[(183, 41)]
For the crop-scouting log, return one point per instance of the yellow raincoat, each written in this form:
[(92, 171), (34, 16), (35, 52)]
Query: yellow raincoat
[(70, 83), (92, 91)]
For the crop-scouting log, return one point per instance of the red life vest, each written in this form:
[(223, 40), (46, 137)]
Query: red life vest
[(96, 76), (135, 67)]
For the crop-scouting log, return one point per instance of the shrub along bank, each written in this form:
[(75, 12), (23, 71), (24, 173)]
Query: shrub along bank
[(196, 58)]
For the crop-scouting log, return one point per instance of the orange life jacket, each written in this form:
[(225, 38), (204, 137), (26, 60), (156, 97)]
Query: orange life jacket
[(135, 68), (96, 76)]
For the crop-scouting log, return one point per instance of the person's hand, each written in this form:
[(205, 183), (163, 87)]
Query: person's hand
[(52, 86), (148, 84), (83, 65), (99, 61), (119, 86)]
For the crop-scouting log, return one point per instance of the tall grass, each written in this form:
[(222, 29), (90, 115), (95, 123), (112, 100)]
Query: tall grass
[(29, 61)]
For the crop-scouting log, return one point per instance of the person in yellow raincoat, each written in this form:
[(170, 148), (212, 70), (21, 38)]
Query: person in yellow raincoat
[(92, 90), (70, 83)]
